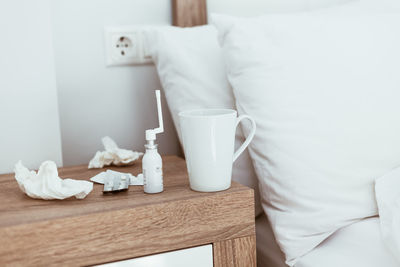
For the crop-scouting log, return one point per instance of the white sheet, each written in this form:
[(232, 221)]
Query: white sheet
[(387, 192), (359, 244)]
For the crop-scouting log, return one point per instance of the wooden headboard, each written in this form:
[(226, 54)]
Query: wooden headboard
[(189, 13)]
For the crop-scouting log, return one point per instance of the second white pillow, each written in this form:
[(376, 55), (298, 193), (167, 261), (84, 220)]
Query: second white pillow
[(324, 89)]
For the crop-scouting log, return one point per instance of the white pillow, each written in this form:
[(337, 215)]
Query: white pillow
[(189, 63), (324, 89)]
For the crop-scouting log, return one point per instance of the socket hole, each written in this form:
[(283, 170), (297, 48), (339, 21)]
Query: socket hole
[(122, 52), (122, 38), (117, 45), (126, 45)]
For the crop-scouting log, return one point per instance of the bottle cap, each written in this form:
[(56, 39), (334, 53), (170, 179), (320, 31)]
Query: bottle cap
[(150, 135)]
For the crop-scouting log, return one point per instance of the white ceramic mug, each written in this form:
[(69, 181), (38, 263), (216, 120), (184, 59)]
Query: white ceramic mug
[(208, 137)]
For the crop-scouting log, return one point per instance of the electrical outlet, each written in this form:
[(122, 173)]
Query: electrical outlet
[(126, 46)]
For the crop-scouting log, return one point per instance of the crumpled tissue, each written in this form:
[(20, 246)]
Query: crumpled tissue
[(102, 177), (113, 155), (45, 184)]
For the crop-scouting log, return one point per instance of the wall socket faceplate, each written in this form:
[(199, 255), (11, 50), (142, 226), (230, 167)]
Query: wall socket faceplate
[(126, 46)]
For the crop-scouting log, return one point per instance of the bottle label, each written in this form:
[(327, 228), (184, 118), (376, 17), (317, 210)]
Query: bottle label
[(153, 177)]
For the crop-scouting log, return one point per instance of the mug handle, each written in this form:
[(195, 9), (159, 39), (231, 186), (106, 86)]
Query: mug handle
[(249, 137)]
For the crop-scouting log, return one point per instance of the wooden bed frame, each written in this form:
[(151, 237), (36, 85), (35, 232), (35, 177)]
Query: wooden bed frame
[(189, 13)]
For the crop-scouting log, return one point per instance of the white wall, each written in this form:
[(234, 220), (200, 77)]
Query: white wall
[(96, 100), (29, 125)]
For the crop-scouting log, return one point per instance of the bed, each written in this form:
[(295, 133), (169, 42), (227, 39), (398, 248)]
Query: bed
[(356, 244), (359, 244)]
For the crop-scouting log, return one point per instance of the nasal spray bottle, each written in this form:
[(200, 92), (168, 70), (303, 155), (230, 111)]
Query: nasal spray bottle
[(151, 162)]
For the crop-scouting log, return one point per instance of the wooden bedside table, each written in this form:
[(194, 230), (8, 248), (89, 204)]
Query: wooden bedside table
[(108, 228)]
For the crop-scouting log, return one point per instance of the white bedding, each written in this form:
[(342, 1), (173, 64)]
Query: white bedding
[(359, 244), (323, 89)]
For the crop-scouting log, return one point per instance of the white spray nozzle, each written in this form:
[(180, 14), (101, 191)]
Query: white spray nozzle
[(151, 133)]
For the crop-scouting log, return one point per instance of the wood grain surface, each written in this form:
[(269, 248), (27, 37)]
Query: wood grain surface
[(105, 228), (189, 13), (236, 252)]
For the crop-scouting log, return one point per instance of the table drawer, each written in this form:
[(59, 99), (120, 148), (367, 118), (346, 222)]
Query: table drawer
[(201, 256)]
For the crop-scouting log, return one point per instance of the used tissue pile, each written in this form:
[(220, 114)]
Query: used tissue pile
[(45, 184), (113, 155)]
